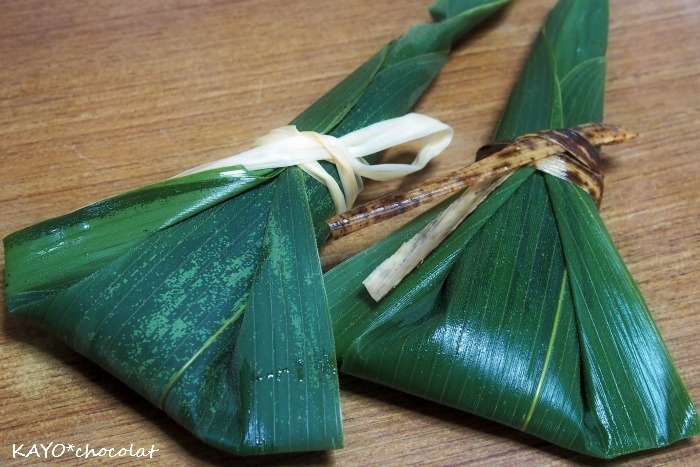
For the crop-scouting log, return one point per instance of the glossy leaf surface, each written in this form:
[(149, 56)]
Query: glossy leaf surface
[(526, 314), (205, 293)]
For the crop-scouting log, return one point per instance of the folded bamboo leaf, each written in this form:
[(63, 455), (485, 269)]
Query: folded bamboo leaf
[(525, 314), (47, 257), (204, 293)]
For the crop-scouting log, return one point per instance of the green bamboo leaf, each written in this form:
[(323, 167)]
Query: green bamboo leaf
[(582, 91), (535, 101), (526, 314), (205, 293), (353, 310), (298, 350), (66, 249)]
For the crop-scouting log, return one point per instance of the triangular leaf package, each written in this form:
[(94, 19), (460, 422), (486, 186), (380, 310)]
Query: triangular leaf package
[(526, 313), (204, 293)]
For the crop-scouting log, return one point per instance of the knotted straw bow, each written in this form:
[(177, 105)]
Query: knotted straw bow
[(286, 146)]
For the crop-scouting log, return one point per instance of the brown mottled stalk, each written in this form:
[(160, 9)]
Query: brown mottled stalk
[(569, 154)]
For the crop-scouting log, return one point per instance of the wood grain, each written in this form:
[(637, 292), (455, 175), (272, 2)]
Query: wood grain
[(97, 97)]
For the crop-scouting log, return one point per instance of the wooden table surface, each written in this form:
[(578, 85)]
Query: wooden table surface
[(97, 97)]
